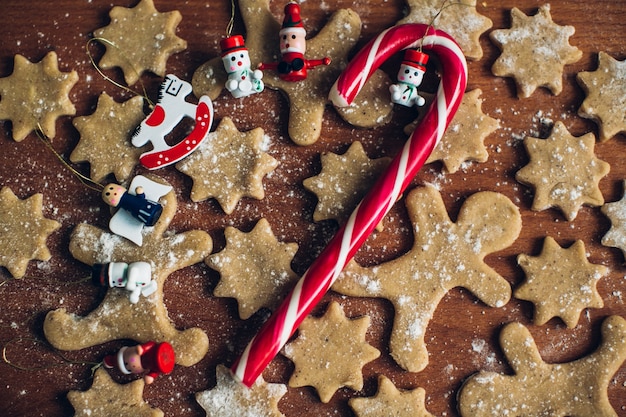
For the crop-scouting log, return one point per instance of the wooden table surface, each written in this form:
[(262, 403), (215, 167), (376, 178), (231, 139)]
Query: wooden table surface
[(461, 323)]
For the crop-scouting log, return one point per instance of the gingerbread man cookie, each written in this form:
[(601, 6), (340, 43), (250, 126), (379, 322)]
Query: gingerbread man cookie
[(616, 212)]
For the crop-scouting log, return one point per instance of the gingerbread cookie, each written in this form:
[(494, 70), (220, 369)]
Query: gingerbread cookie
[(330, 351), (118, 318), (105, 138), (537, 388), (560, 282), (391, 402), (229, 165), (616, 212), (35, 95), (230, 398), (564, 171), (534, 51), (343, 182), (458, 18), (606, 96), (106, 398), (255, 268), (444, 255), (23, 231), (140, 39)]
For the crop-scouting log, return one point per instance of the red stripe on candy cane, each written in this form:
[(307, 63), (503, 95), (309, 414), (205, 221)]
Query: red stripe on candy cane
[(318, 279)]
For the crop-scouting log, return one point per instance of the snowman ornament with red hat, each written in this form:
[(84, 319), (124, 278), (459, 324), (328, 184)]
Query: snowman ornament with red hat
[(151, 359), (410, 77), (242, 81)]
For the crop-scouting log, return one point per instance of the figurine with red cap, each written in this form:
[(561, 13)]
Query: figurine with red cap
[(242, 81), (410, 76), (293, 65), (150, 358)]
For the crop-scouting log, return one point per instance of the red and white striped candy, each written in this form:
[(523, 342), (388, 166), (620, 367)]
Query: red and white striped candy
[(324, 271)]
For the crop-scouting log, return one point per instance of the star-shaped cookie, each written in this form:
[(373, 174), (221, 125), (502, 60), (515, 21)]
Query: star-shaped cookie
[(560, 282), (105, 138), (255, 268), (444, 255), (23, 231), (231, 398), (343, 182), (534, 51), (140, 39), (564, 171), (616, 212), (330, 351), (606, 95), (464, 139), (389, 401), (229, 165), (107, 398), (35, 95)]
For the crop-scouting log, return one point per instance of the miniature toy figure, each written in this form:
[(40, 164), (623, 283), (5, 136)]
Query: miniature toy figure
[(150, 358), (241, 82), (167, 114), (410, 76), (142, 209), (135, 277), (293, 65)]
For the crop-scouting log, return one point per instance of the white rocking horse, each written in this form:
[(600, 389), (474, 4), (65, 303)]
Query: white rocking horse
[(170, 109)]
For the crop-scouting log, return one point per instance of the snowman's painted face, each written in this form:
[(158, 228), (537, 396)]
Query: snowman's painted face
[(236, 61), (410, 75)]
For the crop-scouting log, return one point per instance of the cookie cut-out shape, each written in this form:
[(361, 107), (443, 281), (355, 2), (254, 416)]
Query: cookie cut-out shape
[(23, 231), (343, 182), (389, 401), (534, 51), (564, 171), (229, 165), (464, 139), (35, 95), (230, 398), (255, 268), (616, 212), (322, 347), (560, 282), (105, 138), (537, 388), (107, 398), (140, 39), (116, 318), (605, 102), (444, 255), (307, 98)]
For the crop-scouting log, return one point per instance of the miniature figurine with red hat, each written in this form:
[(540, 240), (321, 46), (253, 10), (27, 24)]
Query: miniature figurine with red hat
[(242, 81), (150, 358), (293, 65), (410, 76)]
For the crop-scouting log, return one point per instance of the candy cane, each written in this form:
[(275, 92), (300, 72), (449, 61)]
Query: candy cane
[(324, 271)]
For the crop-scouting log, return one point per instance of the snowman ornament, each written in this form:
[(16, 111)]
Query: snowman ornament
[(410, 76), (242, 81)]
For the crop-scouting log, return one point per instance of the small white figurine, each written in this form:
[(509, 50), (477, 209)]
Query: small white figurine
[(410, 76), (135, 277), (242, 81)]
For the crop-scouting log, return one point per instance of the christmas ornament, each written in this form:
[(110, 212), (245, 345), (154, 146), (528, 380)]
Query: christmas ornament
[(410, 76), (135, 277), (242, 81), (150, 358)]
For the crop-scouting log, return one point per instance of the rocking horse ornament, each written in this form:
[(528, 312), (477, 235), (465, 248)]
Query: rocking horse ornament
[(167, 114)]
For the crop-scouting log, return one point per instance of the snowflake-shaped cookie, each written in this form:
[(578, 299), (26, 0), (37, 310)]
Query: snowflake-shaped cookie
[(35, 95), (464, 139), (343, 182), (560, 282), (444, 255), (23, 231), (390, 401), (458, 18), (330, 351), (231, 398), (606, 96), (229, 165), (107, 398), (140, 39), (255, 268), (105, 138), (534, 51), (564, 171), (616, 212)]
